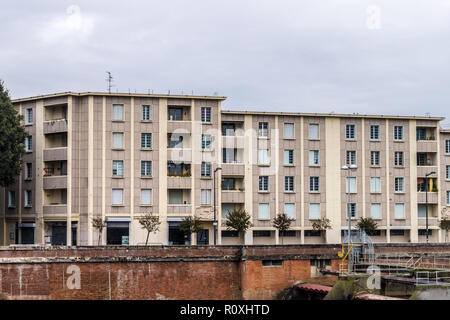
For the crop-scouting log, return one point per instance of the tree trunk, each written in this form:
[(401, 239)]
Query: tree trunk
[(146, 240)]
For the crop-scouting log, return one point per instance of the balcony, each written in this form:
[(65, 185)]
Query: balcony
[(432, 212), (179, 113), (55, 154), (55, 182), (233, 196), (432, 197), (59, 210), (55, 112), (233, 142), (232, 155), (55, 126), (232, 129), (179, 155), (426, 134), (233, 169), (56, 140), (179, 140), (55, 197)]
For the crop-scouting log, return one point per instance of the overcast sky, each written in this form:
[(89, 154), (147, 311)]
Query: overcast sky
[(343, 56)]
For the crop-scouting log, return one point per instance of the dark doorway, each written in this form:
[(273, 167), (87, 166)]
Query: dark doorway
[(176, 236), (203, 237), (117, 233), (27, 235), (74, 233), (59, 233)]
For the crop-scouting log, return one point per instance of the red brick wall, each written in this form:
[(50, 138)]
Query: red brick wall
[(166, 272)]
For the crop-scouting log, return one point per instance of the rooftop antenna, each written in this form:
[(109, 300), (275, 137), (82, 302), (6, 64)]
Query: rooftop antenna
[(109, 79)]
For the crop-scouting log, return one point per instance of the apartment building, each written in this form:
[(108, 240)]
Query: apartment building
[(120, 156)]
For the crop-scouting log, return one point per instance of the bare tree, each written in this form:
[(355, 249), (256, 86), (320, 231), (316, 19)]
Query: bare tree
[(150, 223), (99, 224), (282, 223)]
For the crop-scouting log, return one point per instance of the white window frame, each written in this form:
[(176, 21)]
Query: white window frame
[(375, 132), (263, 157), (375, 185), (146, 115), (289, 184), (28, 116), (288, 212), (263, 129), (206, 114), (145, 140), (377, 205), (447, 147), (396, 211), (28, 198), (314, 157), (288, 155), (314, 184), (146, 168), (267, 215), (117, 168), (353, 186), (114, 194), (398, 133), (206, 197), (350, 132), (114, 137), (205, 169), (448, 198), (314, 214), (292, 136), (263, 183), (206, 142), (11, 199), (352, 208), (399, 155), (115, 113), (149, 196), (374, 158), (314, 132), (29, 144), (350, 157), (399, 187), (28, 171)]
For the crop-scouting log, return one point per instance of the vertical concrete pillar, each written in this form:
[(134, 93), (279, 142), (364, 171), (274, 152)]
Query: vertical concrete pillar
[(413, 234), (69, 172), (90, 168), (162, 204), (248, 179), (39, 142), (333, 183), (302, 179), (388, 202)]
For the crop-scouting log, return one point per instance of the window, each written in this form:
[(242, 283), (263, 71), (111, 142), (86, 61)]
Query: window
[(118, 112), (226, 209), (375, 158), (263, 129), (263, 211), (422, 159), (230, 234), (117, 196), (398, 133), (314, 184), (399, 211), (351, 185), (12, 199), (263, 156), (314, 211), (375, 210), (375, 185), (447, 172), (117, 168), (228, 184), (118, 140), (448, 198), (350, 132), (312, 233), (29, 144), (146, 141), (399, 185), (28, 171), (288, 233), (288, 183), (206, 142), (351, 210), (146, 168), (28, 198), (398, 158), (228, 155), (374, 132), (350, 157), (176, 114), (397, 232), (228, 129), (289, 131), (288, 157), (314, 157), (289, 210), (206, 169), (29, 116), (263, 183), (146, 113), (206, 114), (314, 131), (421, 134), (146, 197), (206, 197), (261, 233), (423, 232), (421, 211), (447, 146), (271, 263)]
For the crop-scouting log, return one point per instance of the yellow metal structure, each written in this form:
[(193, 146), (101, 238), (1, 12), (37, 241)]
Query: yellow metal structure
[(343, 254)]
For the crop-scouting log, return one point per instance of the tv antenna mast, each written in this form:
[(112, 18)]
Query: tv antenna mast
[(109, 79)]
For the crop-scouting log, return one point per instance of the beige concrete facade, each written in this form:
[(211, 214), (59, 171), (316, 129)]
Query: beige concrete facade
[(88, 160)]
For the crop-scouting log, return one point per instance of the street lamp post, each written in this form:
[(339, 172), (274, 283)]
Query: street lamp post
[(215, 222), (426, 202), (352, 167)]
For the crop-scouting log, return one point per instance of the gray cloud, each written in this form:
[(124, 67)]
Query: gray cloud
[(300, 56)]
